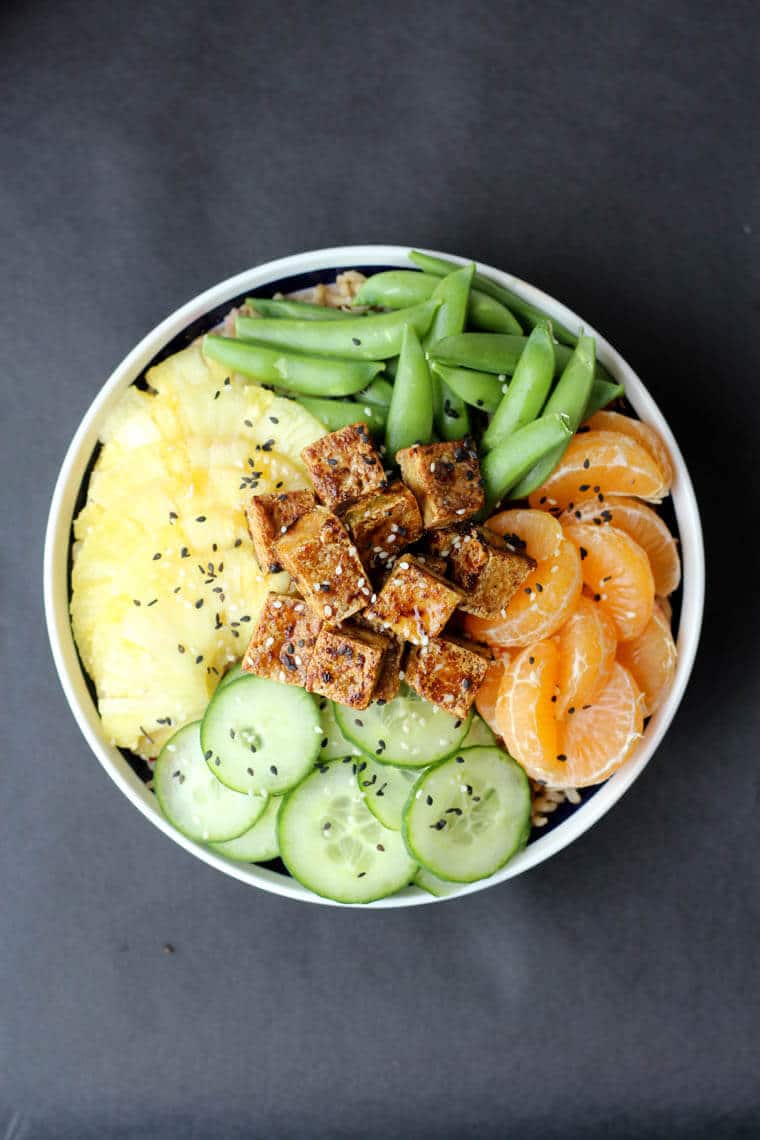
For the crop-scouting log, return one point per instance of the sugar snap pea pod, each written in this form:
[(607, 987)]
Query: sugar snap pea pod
[(336, 414), (378, 392), (516, 456), (307, 375), (396, 288), (288, 307), (476, 388), (375, 337), (450, 413), (603, 392), (410, 415), (497, 353), (569, 398), (527, 393), (530, 313)]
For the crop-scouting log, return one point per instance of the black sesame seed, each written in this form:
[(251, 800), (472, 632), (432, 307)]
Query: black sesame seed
[(460, 759), (561, 756), (199, 603), (429, 801), (324, 742), (531, 661), (200, 518), (273, 769), (156, 556), (355, 340), (180, 649), (583, 552), (586, 463), (584, 486), (198, 659), (207, 755)]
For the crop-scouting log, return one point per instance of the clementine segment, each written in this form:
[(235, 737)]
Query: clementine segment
[(600, 736), (488, 693), (641, 432), (587, 646), (617, 575), (601, 463), (651, 660), (525, 709)]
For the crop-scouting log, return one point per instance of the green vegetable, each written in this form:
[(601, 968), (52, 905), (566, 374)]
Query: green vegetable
[(295, 372), (476, 388), (449, 411), (336, 414), (375, 337), (497, 353), (527, 393), (396, 288), (603, 392), (569, 399), (410, 415), (303, 310), (378, 392), (511, 461)]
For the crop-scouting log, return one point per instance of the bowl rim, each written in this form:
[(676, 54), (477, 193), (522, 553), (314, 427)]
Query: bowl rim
[(74, 468)]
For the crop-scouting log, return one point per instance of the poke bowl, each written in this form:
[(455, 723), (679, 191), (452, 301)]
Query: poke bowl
[(246, 432)]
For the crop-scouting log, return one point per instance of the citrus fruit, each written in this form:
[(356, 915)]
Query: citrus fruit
[(617, 575), (641, 432), (651, 660), (601, 463), (587, 646)]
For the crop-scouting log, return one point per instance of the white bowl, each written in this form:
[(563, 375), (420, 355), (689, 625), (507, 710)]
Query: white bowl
[(73, 471)]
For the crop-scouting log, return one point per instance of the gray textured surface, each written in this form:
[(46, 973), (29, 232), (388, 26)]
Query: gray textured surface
[(610, 156)]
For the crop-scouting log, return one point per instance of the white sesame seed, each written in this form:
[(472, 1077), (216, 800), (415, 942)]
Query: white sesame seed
[(373, 598), (269, 643), (404, 565), (367, 411), (282, 674), (462, 511), (338, 570), (276, 605), (298, 661), (283, 529), (299, 608), (391, 538), (328, 611), (432, 468), (352, 550)]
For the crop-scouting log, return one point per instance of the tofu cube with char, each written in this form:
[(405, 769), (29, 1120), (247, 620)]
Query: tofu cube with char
[(320, 557), (384, 523), (414, 603), (445, 479), (447, 673), (388, 682), (269, 517), (283, 641), (347, 664), (484, 566), (344, 465)]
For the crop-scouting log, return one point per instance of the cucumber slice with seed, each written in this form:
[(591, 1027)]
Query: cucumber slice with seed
[(331, 842), (191, 797), (407, 732), (468, 815), (385, 789), (259, 843), (260, 736)]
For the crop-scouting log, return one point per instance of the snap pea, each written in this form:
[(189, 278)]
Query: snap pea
[(476, 388), (603, 392), (375, 337), (410, 415), (527, 393), (512, 460), (288, 307), (452, 419), (530, 313), (497, 353), (569, 398), (336, 414), (378, 392), (306, 375), (396, 288)]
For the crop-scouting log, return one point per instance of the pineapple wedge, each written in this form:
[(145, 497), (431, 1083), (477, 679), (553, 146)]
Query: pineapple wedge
[(165, 585)]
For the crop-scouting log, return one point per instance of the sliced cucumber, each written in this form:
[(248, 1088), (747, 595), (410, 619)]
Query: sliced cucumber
[(260, 736), (407, 732), (479, 734), (468, 815), (331, 842), (432, 884), (386, 789), (233, 674), (333, 744), (259, 843), (191, 797)]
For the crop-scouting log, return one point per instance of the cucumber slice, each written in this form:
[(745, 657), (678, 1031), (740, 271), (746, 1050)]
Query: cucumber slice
[(331, 842), (260, 842), (407, 732), (385, 789), (468, 815), (333, 745), (233, 674), (432, 884), (479, 734), (260, 736), (191, 797)]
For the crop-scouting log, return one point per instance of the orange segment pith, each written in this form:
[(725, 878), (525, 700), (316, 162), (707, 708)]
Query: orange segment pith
[(525, 710), (617, 575), (641, 432), (587, 646), (549, 593), (651, 660), (598, 738), (615, 463), (642, 524)]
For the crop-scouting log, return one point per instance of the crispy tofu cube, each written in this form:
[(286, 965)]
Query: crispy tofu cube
[(347, 664), (414, 603), (344, 465), (445, 479), (320, 557), (283, 640), (269, 517), (487, 568), (390, 675), (382, 524), (447, 673)]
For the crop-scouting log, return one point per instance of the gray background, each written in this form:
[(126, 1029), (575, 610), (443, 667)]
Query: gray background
[(607, 152)]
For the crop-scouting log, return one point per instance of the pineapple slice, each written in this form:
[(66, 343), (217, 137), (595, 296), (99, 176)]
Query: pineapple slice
[(165, 585)]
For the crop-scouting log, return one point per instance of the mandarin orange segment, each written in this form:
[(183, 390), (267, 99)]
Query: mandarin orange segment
[(525, 710), (599, 737), (641, 432), (541, 534), (601, 463), (651, 660), (587, 645), (642, 524), (617, 574), (488, 693)]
